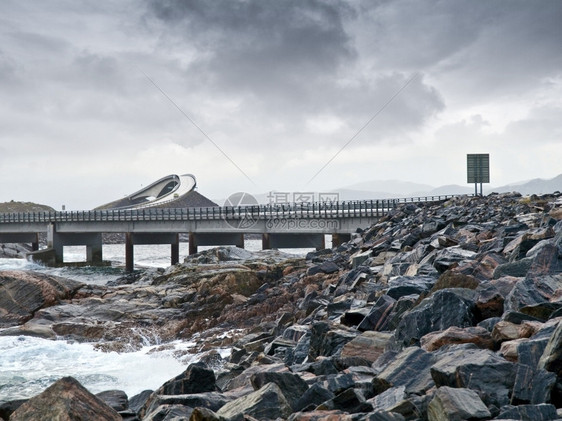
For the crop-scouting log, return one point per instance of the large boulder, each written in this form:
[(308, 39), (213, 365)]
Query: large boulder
[(434, 314), (23, 293), (456, 404), (265, 403), (478, 369), (410, 368), (292, 385), (65, 400)]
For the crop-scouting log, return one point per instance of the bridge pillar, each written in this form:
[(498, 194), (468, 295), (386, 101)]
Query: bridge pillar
[(215, 239), (92, 240), (150, 238), (339, 239), (129, 253)]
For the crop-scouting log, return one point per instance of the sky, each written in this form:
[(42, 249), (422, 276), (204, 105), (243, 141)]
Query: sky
[(100, 98)]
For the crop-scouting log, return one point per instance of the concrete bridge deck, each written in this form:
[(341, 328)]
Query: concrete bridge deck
[(301, 225)]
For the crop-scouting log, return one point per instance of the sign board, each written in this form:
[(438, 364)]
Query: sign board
[(478, 168)]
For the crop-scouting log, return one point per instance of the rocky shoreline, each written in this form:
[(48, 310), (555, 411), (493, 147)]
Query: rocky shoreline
[(445, 311)]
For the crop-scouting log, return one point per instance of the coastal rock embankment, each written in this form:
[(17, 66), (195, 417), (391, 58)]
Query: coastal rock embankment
[(437, 312)]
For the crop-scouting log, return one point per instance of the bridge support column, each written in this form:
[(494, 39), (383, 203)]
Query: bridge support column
[(175, 249), (92, 240), (339, 239), (215, 239), (129, 253), (265, 243), (150, 238)]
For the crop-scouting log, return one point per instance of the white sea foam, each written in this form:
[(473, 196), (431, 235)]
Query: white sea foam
[(29, 365)]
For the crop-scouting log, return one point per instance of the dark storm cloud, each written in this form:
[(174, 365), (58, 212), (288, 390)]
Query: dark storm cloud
[(265, 47), (290, 61)]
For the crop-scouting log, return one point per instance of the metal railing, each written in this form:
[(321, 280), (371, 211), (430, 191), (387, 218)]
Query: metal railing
[(346, 209)]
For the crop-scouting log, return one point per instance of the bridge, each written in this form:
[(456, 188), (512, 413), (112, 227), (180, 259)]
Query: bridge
[(300, 225)]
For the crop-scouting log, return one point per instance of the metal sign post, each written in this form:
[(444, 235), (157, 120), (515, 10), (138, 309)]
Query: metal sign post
[(478, 170)]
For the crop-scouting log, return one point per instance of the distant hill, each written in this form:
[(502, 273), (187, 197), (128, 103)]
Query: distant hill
[(12, 206), (393, 189), (535, 186)]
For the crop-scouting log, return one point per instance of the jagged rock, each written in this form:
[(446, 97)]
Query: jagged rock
[(197, 378), (401, 306), (337, 383), (518, 268), (394, 400), (169, 412), (451, 257), (489, 303), (204, 414), (542, 311), (138, 401), (65, 400), (23, 293), (116, 399), (507, 331), (457, 404), (434, 314), (456, 335), (547, 261), (532, 386), (325, 341), (369, 345), (477, 369), (454, 279), (265, 403), (377, 319), (551, 359), (313, 396), (542, 412), (354, 316), (320, 416), (243, 379), (292, 385), (210, 400), (409, 368), (325, 267), (350, 400), (401, 286)]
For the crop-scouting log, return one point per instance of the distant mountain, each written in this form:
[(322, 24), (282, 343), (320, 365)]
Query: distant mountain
[(535, 186), (391, 188)]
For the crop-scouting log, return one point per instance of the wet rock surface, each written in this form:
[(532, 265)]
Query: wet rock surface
[(437, 312)]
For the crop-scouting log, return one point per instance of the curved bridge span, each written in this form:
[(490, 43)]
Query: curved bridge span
[(301, 225)]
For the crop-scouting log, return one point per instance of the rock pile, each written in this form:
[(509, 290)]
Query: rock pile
[(437, 312)]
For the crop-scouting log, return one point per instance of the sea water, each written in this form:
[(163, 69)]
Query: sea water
[(28, 365)]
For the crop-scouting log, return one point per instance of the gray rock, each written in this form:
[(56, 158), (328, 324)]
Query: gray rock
[(434, 314), (325, 341), (377, 319), (532, 385), (478, 369), (457, 404), (542, 412), (116, 399), (292, 385), (197, 378), (409, 368), (314, 396), (265, 403), (350, 400)]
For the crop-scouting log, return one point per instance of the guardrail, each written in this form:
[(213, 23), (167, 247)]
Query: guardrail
[(346, 209)]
